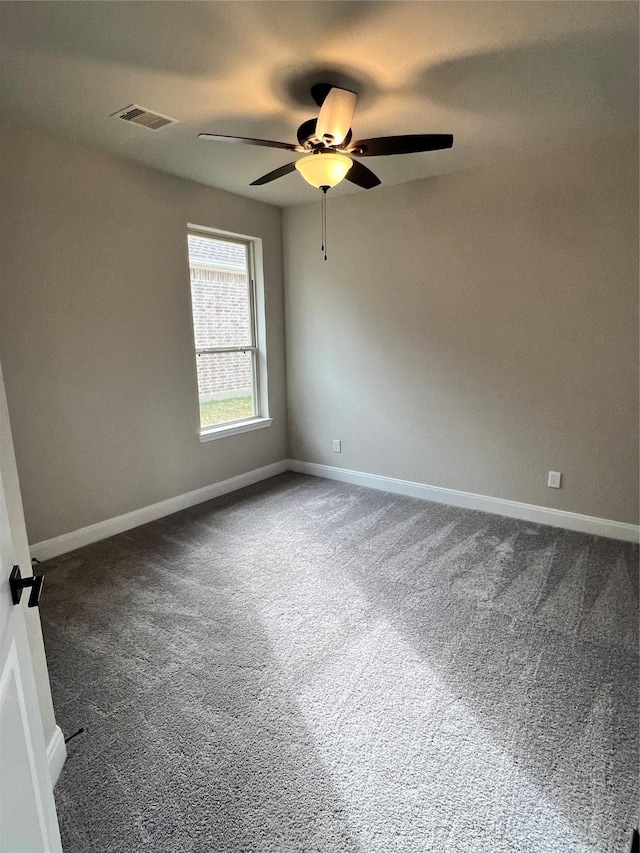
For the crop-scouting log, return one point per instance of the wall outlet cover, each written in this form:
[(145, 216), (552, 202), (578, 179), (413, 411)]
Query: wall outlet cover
[(554, 479)]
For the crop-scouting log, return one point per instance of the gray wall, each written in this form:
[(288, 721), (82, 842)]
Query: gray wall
[(96, 338), (470, 331), (475, 330)]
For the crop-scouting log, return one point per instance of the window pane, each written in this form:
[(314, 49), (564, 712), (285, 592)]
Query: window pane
[(225, 387), (220, 293)]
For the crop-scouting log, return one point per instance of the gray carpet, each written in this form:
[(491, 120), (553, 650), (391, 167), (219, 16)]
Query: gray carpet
[(307, 666)]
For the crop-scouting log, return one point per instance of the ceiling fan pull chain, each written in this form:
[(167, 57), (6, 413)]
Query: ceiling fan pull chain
[(324, 221)]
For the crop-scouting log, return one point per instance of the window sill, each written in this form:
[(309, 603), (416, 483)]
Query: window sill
[(224, 430)]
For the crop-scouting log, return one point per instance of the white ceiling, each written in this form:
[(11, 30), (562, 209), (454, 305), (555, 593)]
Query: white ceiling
[(506, 78)]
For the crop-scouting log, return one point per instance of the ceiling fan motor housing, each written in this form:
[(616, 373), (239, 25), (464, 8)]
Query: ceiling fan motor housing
[(307, 136)]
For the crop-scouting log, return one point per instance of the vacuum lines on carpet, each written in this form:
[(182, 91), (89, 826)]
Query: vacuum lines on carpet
[(311, 667)]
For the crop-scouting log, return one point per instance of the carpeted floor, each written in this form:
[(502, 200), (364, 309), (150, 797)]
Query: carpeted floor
[(310, 667)]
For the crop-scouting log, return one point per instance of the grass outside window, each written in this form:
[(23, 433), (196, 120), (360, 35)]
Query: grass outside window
[(215, 412)]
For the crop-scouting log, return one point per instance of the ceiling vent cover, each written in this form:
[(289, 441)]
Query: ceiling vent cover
[(143, 117)]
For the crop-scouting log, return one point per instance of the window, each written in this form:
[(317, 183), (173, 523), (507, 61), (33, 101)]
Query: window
[(228, 328)]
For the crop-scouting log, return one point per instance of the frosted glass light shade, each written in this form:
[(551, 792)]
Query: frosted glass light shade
[(324, 170)]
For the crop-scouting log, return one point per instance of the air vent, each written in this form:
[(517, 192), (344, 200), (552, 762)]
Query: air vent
[(142, 117)]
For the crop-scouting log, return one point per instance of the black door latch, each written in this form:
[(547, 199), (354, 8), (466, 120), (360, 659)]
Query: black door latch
[(18, 583)]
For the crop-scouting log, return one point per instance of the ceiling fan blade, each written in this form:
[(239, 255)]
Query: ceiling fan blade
[(336, 115), (362, 176), (383, 146), (266, 143), (277, 173), (319, 92)]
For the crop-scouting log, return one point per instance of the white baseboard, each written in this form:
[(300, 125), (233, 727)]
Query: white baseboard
[(497, 506), (56, 755), (513, 509), (95, 532)]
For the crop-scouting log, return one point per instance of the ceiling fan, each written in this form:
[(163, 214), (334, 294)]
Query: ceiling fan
[(329, 148)]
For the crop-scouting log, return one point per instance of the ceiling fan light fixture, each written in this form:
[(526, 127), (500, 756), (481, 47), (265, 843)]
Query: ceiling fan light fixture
[(324, 170)]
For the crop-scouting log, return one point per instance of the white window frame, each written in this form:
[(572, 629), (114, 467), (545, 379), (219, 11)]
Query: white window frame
[(259, 337)]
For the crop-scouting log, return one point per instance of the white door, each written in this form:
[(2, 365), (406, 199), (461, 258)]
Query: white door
[(28, 822)]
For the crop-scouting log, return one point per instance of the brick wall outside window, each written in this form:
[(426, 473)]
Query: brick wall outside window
[(221, 318)]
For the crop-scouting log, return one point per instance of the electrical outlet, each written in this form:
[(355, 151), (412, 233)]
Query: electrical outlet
[(554, 479), (337, 445)]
